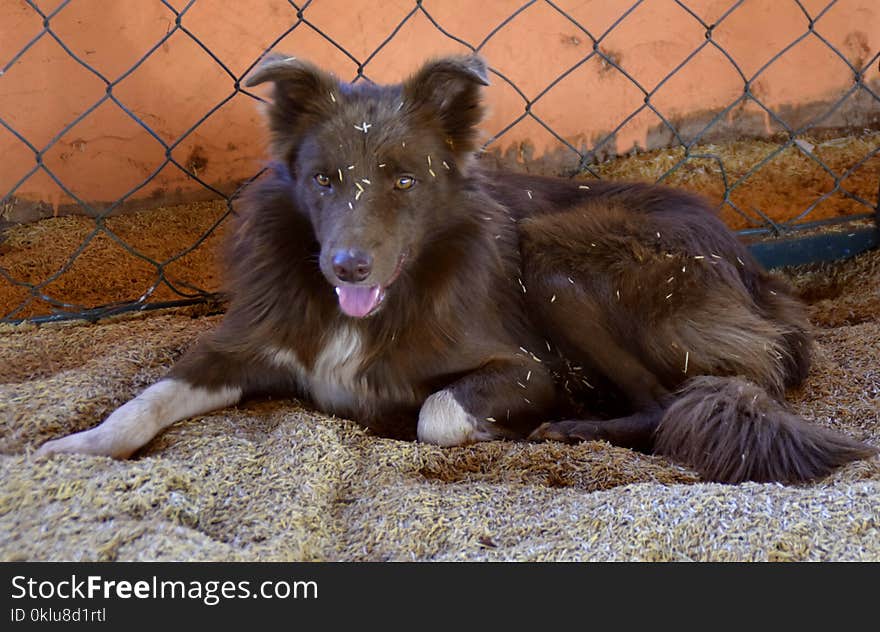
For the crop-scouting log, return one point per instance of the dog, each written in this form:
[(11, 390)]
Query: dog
[(382, 273)]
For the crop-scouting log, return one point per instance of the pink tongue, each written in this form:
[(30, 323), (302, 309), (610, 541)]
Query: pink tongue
[(358, 301)]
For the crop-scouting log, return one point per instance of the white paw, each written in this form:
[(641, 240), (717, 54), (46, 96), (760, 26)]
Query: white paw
[(132, 425), (443, 421), (86, 442)]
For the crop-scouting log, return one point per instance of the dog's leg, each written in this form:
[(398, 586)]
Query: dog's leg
[(635, 431), (132, 425), (208, 377), (580, 330), (505, 398)]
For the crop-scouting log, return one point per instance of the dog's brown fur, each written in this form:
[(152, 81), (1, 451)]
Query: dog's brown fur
[(615, 311)]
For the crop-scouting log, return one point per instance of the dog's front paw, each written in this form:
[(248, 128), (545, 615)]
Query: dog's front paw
[(86, 442), (443, 421)]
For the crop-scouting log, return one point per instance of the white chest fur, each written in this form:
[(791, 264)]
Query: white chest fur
[(334, 382)]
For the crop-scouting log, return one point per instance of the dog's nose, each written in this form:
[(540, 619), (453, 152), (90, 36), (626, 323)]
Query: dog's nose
[(352, 266)]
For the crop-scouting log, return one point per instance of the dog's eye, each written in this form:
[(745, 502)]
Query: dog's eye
[(322, 179), (404, 182)]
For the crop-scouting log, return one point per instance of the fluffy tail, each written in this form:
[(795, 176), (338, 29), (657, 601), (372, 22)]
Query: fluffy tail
[(730, 430)]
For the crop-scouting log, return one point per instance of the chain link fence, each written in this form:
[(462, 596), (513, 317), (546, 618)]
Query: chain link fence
[(692, 147)]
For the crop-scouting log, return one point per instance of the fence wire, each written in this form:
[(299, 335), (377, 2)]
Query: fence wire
[(587, 158)]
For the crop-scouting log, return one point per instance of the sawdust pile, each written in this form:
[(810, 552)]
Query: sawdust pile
[(275, 481), (765, 182), (82, 266)]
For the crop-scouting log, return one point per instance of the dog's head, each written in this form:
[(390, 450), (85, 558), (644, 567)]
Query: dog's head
[(373, 167)]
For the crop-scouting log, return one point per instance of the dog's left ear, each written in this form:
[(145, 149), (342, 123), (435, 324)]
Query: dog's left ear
[(300, 98), (449, 88)]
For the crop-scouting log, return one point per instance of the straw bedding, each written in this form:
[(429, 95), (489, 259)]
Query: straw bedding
[(274, 480)]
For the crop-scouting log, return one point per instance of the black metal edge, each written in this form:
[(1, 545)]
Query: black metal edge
[(827, 246)]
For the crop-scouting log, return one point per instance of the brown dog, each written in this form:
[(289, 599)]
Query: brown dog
[(382, 274)]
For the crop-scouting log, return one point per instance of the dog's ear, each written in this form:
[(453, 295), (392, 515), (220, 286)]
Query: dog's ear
[(301, 96), (449, 88)]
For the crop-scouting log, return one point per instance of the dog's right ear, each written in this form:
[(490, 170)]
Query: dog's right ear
[(301, 97)]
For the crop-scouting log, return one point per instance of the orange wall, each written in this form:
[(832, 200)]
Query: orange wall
[(107, 153)]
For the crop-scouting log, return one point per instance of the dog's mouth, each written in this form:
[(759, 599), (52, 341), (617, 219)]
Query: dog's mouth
[(360, 301)]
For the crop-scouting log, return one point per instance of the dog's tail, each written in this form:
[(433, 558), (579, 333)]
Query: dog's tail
[(731, 430)]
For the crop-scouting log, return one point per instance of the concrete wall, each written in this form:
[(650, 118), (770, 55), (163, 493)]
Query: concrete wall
[(107, 154)]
